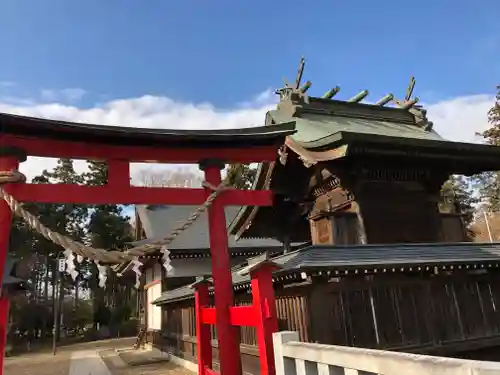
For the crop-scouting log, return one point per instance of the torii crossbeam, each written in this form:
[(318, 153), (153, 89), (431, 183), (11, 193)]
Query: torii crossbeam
[(119, 146)]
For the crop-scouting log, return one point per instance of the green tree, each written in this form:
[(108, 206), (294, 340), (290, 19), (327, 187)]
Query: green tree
[(77, 316), (104, 226), (492, 134), (457, 196), (108, 228), (489, 182), (68, 219), (241, 176)]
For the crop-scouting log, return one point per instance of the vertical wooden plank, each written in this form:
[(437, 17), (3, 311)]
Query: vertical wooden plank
[(303, 315), (300, 367), (395, 294), (344, 318), (374, 315), (324, 369), (457, 308)]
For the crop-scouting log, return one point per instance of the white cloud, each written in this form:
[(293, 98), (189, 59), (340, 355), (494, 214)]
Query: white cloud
[(143, 112), (7, 83), (66, 95), (459, 119), (456, 119), (265, 98)]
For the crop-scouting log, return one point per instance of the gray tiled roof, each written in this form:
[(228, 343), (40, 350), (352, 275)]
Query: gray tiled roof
[(368, 256), (158, 221)]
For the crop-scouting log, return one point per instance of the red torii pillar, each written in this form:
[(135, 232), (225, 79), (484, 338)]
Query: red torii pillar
[(265, 315), (261, 315), (203, 334), (9, 161), (228, 335)]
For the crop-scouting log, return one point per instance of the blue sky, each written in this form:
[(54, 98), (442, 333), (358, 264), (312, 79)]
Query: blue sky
[(193, 64), (225, 52)]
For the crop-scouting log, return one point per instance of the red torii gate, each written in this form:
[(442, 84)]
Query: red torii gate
[(24, 136)]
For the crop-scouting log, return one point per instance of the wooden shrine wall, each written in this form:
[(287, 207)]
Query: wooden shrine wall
[(394, 213), (429, 314), (342, 228)]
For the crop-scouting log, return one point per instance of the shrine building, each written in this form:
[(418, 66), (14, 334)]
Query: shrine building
[(382, 264)]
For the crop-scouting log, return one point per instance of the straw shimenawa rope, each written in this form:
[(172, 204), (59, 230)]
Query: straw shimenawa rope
[(101, 255)]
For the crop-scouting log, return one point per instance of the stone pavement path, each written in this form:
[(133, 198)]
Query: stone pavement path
[(87, 362), (47, 364), (38, 364), (85, 359)]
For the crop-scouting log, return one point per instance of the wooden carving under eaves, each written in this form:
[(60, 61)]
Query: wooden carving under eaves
[(321, 231), (310, 158), (329, 203)]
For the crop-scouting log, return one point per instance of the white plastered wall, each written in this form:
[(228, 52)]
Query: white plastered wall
[(153, 292)]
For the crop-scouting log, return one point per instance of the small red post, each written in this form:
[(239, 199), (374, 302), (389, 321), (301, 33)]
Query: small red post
[(264, 304), (4, 317), (228, 335), (203, 335), (9, 161)]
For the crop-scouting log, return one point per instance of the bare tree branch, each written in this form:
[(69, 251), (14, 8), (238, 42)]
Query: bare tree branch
[(178, 177)]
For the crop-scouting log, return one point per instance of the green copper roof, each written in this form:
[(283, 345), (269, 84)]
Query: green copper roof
[(320, 121), (317, 130)]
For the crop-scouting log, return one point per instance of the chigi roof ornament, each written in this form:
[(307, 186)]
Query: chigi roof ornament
[(288, 92), (298, 95)]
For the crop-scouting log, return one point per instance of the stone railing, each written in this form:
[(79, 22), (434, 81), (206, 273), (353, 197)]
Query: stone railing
[(293, 357)]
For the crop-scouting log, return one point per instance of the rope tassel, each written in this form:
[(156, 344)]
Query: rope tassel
[(283, 155), (138, 273), (82, 251), (70, 264), (101, 274), (166, 259)]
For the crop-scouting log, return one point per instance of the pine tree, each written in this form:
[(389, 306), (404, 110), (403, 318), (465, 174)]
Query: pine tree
[(108, 228), (67, 219), (70, 216)]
